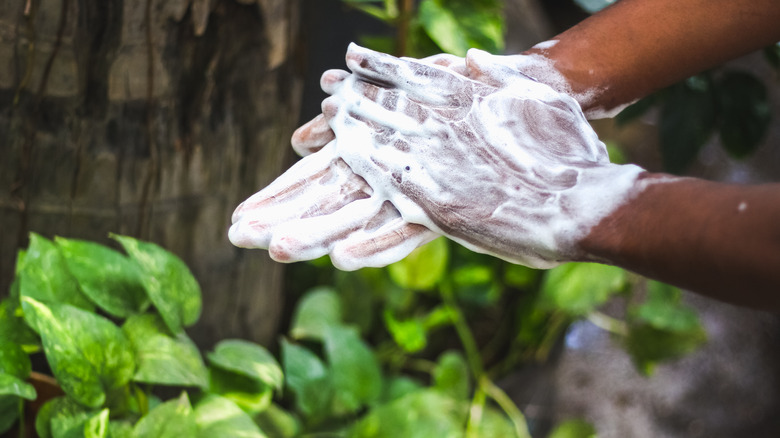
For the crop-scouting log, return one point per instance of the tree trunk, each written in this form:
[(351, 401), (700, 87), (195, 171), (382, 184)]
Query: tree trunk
[(152, 118)]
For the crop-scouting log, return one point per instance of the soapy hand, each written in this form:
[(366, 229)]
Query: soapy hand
[(315, 134), (318, 207), (510, 169)]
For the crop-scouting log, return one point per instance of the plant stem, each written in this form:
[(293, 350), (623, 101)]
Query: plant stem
[(558, 322), (608, 323), (508, 406), (464, 332), (485, 386), (475, 412), (402, 33), (21, 421)]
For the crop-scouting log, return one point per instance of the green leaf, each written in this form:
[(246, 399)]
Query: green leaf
[(88, 354), (662, 309), (574, 429), (354, 371), (278, 423), (248, 359), (13, 328), (251, 395), (168, 282), (62, 417), (44, 276), (615, 152), (495, 423), (577, 288), (97, 425), (107, 277), (457, 25), (520, 276), (378, 13), (10, 407), (421, 414), (687, 121), (439, 316), (172, 419), (219, 417), (451, 375), (423, 268), (477, 284), (399, 386), (379, 43), (744, 113), (11, 385), (410, 334), (164, 358), (648, 345), (442, 26), (662, 328), (14, 361), (120, 429), (316, 311), (307, 377)]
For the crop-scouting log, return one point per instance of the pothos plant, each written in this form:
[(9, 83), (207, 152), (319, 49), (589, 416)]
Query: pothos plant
[(362, 357), (110, 327)]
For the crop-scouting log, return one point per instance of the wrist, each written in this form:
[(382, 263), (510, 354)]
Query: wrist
[(602, 205)]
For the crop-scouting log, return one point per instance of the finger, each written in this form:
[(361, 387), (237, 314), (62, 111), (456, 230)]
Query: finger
[(387, 239), (452, 62), (360, 102), (318, 194), (331, 79), (427, 83), (498, 71), (313, 237), (312, 136), (290, 184)]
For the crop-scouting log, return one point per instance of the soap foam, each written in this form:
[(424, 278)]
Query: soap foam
[(510, 168), (537, 177)]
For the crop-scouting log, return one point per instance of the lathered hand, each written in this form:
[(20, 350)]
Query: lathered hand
[(511, 169), (507, 168), (315, 134), (318, 207), (321, 207)]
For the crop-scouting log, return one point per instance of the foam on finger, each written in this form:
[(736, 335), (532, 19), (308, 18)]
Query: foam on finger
[(381, 246), (313, 237), (312, 136)]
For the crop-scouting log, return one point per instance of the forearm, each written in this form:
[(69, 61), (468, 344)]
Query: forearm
[(717, 239), (635, 47)]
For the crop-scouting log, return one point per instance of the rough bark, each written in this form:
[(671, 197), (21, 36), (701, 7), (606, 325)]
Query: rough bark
[(152, 118)]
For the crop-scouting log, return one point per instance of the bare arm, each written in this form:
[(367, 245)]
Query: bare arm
[(635, 47), (720, 240)]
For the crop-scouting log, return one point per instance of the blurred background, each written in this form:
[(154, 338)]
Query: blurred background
[(156, 118)]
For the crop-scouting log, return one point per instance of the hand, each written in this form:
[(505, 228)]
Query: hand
[(315, 134), (511, 170), (536, 64), (318, 207)]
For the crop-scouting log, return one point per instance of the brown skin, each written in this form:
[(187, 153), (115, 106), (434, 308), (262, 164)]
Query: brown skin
[(691, 233), (720, 240), (636, 47)]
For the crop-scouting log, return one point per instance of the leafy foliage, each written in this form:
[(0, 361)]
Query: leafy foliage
[(107, 365), (390, 378), (435, 26)]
